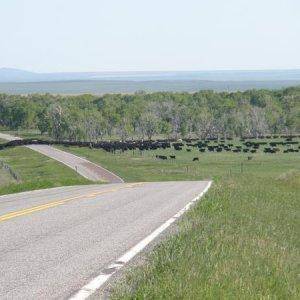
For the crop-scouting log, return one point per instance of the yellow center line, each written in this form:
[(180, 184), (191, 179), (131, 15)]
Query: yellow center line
[(33, 209)]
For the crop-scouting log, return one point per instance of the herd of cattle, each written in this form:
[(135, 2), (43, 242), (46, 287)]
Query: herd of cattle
[(287, 144)]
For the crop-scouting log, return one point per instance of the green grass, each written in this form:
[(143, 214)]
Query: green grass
[(36, 171), (132, 166), (5, 178), (241, 241)]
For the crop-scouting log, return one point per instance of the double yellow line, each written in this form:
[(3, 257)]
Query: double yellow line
[(37, 208)]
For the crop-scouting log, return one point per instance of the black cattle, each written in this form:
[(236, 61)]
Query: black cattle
[(270, 150), (196, 159), (163, 157), (177, 148), (172, 156), (290, 150)]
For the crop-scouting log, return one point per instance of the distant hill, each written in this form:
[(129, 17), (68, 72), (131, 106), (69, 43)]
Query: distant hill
[(14, 81), (15, 75)]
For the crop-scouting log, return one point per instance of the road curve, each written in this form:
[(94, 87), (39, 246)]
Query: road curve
[(53, 242), (82, 166)]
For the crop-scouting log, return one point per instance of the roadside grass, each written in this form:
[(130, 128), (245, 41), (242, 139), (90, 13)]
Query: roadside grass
[(36, 171), (241, 241), (5, 178)]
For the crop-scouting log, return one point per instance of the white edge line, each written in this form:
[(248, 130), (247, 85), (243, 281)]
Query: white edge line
[(111, 269)]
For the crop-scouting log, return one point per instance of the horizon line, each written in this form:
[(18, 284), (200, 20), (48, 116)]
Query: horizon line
[(154, 71)]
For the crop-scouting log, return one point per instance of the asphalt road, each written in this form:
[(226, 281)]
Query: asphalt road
[(53, 242), (82, 166)]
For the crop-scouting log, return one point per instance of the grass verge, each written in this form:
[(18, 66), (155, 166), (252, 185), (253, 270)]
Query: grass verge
[(241, 241), (5, 177), (36, 171)]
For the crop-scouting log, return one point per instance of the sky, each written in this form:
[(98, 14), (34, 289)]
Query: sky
[(149, 35)]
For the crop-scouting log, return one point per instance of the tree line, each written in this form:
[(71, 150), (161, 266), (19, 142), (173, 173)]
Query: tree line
[(146, 115)]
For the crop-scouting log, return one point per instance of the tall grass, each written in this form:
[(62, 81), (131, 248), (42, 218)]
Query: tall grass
[(240, 242)]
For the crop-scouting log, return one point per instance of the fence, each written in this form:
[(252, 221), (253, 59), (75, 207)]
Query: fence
[(12, 173)]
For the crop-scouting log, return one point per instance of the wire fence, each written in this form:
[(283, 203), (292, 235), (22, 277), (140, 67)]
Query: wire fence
[(8, 169)]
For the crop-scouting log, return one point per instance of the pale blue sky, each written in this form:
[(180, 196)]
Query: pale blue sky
[(131, 35)]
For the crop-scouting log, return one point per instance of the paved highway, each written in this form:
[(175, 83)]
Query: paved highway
[(82, 166), (55, 241)]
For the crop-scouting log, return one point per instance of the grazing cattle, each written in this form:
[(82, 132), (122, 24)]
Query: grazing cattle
[(163, 157), (290, 150), (178, 148), (172, 156), (188, 150), (196, 159), (270, 150)]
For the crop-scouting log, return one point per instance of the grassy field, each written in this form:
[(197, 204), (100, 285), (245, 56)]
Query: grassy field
[(35, 171), (240, 241), (132, 166)]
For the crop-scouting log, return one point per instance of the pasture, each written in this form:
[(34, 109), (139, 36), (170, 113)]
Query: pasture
[(136, 165)]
